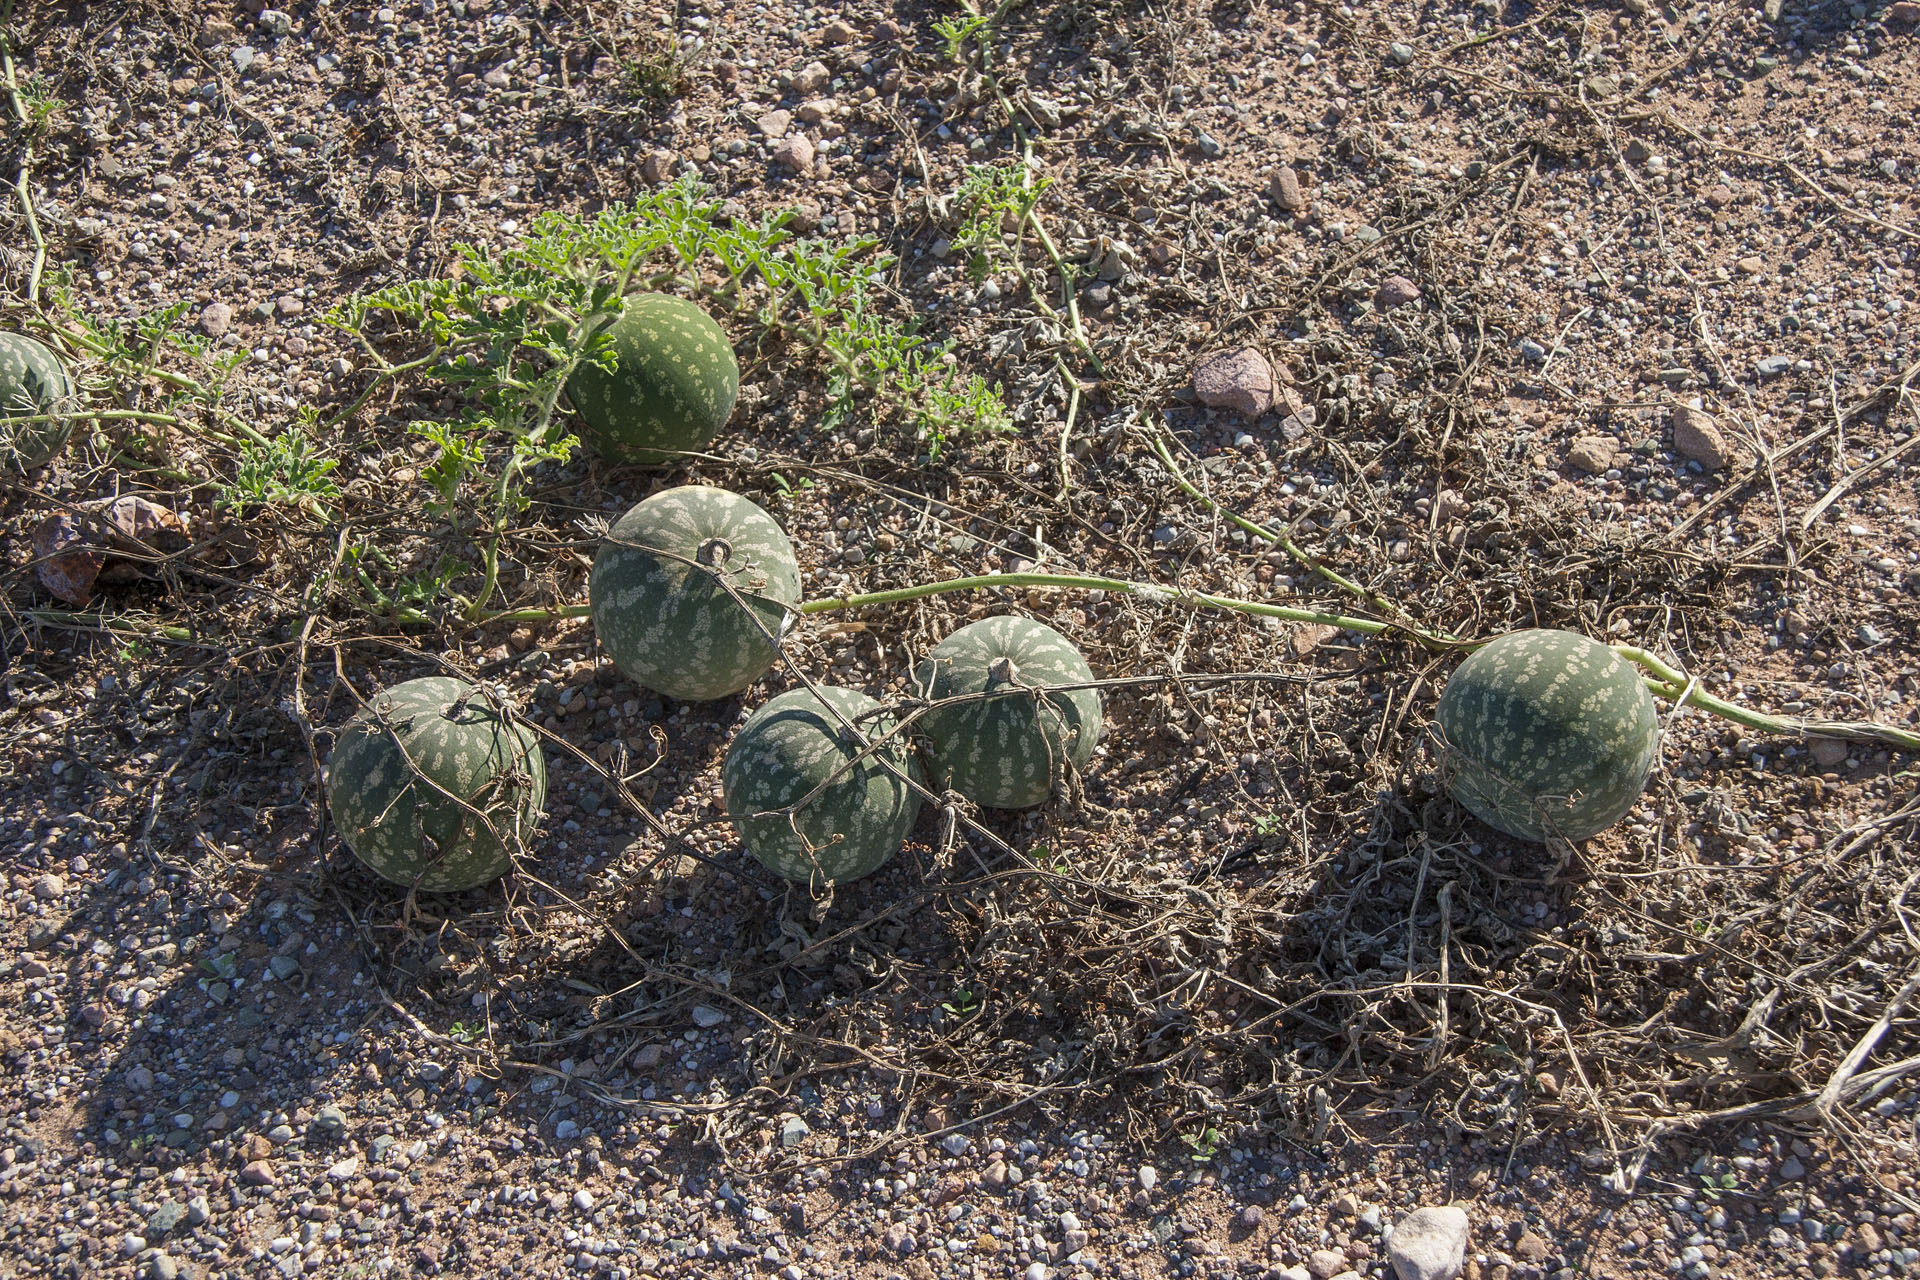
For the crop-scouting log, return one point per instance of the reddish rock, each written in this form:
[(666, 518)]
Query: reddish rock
[(795, 152), (1239, 380), (258, 1173), (1697, 436), (1395, 291), (1286, 192), (1591, 453)]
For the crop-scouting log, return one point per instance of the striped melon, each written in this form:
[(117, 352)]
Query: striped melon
[(854, 812), (33, 383), (673, 388), (433, 787), (1006, 749), (690, 590), (1547, 732)]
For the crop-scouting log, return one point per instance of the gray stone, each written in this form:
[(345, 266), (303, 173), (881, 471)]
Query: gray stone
[(165, 1218), (1239, 380), (706, 1016), (1429, 1244), (276, 22), (328, 1122), (1324, 1264), (1531, 350), (583, 1200), (1400, 53), (1772, 366), (162, 1267), (775, 124), (48, 887), (198, 1211), (243, 58), (566, 1131)]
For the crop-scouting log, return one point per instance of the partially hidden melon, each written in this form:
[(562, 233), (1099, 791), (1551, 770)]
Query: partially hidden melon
[(433, 786), (850, 812), (1014, 734), (691, 590), (38, 401), (1547, 733), (672, 389)]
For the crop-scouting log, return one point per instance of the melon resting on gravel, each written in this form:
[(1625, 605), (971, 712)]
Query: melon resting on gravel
[(672, 390), (690, 589), (1547, 732), (432, 786), (854, 811), (1006, 748), (33, 384)]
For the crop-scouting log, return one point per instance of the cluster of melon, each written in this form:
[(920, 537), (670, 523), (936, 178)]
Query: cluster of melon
[(1544, 733), (691, 593)]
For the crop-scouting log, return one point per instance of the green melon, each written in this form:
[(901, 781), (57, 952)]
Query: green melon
[(1547, 732), (33, 383), (796, 747), (660, 592), (1006, 750), (398, 767), (672, 391)]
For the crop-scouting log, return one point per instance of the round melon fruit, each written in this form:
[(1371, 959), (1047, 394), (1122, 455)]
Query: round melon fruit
[(673, 388), (1005, 750), (33, 383), (413, 773), (691, 588), (1547, 733), (854, 812)]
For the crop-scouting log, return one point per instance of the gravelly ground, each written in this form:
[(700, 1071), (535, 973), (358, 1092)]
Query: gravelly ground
[(1510, 247)]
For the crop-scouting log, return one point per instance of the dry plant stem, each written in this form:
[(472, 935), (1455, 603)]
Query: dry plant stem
[(25, 174), (1431, 639), (1669, 682), (118, 626)]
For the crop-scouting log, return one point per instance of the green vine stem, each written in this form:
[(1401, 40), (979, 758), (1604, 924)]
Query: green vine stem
[(1431, 639), (1662, 679), (196, 390), (1675, 685)]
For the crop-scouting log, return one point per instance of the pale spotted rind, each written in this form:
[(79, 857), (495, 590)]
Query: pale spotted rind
[(33, 383), (670, 623), (1007, 750), (857, 820), (1547, 732), (672, 390), (398, 767)]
